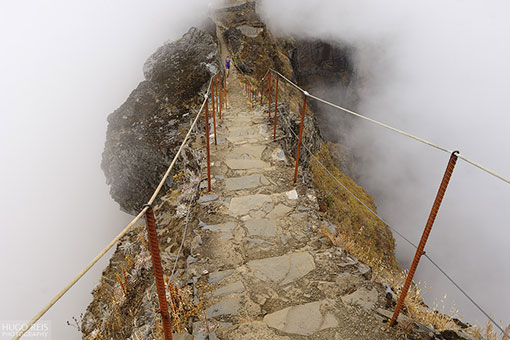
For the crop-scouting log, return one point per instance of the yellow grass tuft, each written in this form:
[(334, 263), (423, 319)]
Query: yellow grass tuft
[(360, 232), (182, 306), (367, 238)]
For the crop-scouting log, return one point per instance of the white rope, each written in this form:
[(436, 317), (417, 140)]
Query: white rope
[(119, 236), (372, 211), (407, 134), (476, 304)]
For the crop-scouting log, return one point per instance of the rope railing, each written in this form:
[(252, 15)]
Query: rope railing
[(434, 263), (442, 189), (404, 133), (146, 208)]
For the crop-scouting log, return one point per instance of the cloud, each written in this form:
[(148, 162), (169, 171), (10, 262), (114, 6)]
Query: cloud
[(438, 70), (65, 65)]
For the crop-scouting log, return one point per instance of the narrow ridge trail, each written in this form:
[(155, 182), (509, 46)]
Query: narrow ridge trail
[(259, 261)]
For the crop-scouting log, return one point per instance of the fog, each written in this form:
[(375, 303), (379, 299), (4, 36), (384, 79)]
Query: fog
[(64, 66), (438, 70)]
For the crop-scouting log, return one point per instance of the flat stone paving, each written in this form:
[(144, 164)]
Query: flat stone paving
[(245, 164), (282, 269), (256, 267), (301, 319), (245, 182), (260, 215), (244, 204)]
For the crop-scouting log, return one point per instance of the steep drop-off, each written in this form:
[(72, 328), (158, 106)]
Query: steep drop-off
[(261, 258), (145, 132)]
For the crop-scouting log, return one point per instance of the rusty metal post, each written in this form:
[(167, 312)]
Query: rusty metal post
[(218, 92), (262, 89), (269, 96), (276, 105), (426, 233), (207, 144), (300, 138), (213, 113), (224, 92), (158, 271)]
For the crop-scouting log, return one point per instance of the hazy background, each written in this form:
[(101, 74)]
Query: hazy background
[(64, 66), (439, 69)]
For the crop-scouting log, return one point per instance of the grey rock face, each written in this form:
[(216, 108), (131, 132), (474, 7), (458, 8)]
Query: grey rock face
[(145, 132), (319, 63), (302, 319)]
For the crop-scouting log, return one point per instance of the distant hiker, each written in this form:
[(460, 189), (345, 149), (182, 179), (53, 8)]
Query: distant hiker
[(227, 65)]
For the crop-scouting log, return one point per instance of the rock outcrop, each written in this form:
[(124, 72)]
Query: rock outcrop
[(145, 132), (319, 63), (258, 257)]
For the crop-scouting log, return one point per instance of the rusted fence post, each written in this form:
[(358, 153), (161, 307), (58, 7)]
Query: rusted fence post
[(262, 90), (218, 92), (225, 99), (213, 113), (269, 96), (300, 136), (222, 93), (276, 105), (158, 271), (207, 144), (426, 233)]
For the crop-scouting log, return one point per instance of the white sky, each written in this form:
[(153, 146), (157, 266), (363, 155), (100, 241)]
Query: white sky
[(438, 69), (64, 66)]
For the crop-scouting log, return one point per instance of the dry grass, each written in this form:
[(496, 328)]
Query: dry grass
[(414, 305), (367, 238), (182, 307), (488, 332), (359, 231)]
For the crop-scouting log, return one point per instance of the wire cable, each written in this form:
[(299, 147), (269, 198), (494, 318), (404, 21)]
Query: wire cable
[(404, 133), (343, 186), (466, 295), (185, 226), (120, 235), (396, 231)]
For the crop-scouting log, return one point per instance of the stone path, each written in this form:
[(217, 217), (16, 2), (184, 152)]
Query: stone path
[(259, 260)]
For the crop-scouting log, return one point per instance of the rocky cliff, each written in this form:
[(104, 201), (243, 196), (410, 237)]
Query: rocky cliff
[(260, 258), (145, 132)]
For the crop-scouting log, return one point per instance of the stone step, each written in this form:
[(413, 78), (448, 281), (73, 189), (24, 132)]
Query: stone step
[(253, 150), (305, 319), (246, 164), (260, 205), (258, 138), (245, 182), (282, 269)]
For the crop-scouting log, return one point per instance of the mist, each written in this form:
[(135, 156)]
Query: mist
[(65, 65), (438, 70)]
